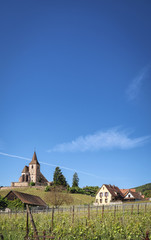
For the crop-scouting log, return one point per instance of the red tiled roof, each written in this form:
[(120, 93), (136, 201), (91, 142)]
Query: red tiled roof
[(114, 190), (124, 191), (34, 160), (26, 198)]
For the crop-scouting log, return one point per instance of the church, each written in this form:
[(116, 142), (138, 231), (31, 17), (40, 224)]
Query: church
[(31, 174)]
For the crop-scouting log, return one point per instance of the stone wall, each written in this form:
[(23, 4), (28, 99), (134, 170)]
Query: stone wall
[(19, 184)]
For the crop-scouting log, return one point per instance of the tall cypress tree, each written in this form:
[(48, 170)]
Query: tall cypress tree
[(75, 181), (58, 177)]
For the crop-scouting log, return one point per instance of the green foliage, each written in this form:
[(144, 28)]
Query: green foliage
[(86, 190), (90, 190), (145, 189), (3, 203), (32, 184), (16, 204), (68, 188), (125, 226), (147, 193), (76, 190), (75, 181), (47, 188), (58, 178)]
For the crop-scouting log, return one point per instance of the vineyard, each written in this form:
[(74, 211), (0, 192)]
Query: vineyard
[(125, 221)]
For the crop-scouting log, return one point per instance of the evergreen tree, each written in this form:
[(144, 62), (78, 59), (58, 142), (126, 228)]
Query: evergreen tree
[(58, 178), (75, 181)]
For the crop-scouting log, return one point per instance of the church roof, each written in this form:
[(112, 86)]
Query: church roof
[(34, 160), (25, 170)]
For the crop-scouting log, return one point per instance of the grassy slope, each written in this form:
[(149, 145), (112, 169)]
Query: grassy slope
[(78, 199), (145, 190), (143, 187)]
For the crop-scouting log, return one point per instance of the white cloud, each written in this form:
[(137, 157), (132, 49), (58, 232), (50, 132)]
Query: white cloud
[(135, 86), (110, 139)]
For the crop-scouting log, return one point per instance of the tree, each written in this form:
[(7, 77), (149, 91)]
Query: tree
[(75, 181), (57, 198), (58, 178)]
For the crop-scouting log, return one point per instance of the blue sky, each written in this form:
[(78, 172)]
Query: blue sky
[(75, 85)]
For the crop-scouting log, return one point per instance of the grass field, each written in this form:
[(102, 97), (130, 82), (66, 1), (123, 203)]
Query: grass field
[(78, 199)]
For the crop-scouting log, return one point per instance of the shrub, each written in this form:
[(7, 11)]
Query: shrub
[(47, 188), (32, 184), (15, 204), (3, 203), (76, 190)]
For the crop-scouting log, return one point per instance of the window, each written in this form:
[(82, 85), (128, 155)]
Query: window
[(32, 166), (106, 194), (101, 194), (106, 200), (23, 178), (26, 178), (100, 200)]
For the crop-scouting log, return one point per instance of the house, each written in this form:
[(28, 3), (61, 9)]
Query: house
[(132, 196), (30, 174), (108, 194), (26, 198)]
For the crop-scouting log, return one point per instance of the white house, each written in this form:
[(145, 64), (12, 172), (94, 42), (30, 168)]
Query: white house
[(132, 196), (108, 194)]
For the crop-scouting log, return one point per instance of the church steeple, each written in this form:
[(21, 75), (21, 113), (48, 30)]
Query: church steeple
[(34, 159)]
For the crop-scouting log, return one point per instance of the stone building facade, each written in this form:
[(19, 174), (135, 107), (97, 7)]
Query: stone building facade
[(30, 174)]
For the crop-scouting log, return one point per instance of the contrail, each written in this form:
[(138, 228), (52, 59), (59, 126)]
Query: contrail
[(14, 156), (49, 164)]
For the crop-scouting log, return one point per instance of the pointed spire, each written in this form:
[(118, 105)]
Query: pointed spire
[(34, 159)]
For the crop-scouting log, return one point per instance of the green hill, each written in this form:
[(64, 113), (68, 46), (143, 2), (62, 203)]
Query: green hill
[(144, 189), (78, 199)]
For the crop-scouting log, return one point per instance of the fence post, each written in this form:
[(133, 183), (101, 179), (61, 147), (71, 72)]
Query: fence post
[(145, 208), (138, 208), (33, 224), (147, 236), (44, 233), (132, 210), (88, 211), (102, 211), (73, 215), (96, 211), (1, 236), (123, 213), (52, 219), (27, 229), (114, 211)]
